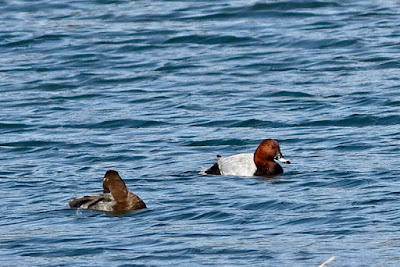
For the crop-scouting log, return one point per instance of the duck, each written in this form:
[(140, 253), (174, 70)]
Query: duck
[(260, 163), (116, 197)]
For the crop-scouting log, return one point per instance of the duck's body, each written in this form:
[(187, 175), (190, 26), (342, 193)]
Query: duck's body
[(115, 197), (102, 202), (259, 163), (237, 165)]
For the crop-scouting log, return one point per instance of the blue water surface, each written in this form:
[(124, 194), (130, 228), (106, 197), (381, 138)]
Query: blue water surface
[(156, 89)]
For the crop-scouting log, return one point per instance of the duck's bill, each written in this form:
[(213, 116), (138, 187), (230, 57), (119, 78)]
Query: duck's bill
[(282, 159)]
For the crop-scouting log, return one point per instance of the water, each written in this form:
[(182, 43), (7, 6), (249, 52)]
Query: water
[(155, 89)]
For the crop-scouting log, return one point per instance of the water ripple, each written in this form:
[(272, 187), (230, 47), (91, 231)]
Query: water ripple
[(156, 90)]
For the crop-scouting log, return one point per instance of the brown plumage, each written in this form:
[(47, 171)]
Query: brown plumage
[(260, 163), (116, 197)]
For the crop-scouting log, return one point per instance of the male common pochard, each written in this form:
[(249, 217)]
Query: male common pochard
[(259, 163), (115, 197)]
